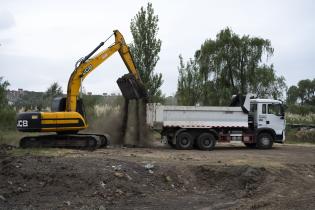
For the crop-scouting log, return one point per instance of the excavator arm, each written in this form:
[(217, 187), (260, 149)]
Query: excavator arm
[(130, 84)]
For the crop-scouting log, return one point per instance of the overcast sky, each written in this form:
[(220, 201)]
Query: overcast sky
[(41, 40)]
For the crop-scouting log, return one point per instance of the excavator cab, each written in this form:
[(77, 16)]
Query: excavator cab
[(59, 105)]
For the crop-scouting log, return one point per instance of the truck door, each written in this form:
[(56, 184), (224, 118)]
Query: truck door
[(271, 116), (275, 118)]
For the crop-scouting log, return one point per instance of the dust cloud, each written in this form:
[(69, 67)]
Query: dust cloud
[(126, 125), (135, 131)]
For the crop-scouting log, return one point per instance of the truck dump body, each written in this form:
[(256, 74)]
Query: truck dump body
[(159, 116)]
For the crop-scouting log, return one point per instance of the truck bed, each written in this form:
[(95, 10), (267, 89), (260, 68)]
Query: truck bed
[(159, 116)]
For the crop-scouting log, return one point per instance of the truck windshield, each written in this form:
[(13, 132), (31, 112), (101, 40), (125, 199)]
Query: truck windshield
[(275, 109)]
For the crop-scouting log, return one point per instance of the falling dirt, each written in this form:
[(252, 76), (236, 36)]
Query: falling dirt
[(135, 131), (126, 125)]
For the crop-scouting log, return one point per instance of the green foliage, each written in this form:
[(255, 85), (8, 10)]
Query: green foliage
[(300, 110), (303, 93), (7, 118), (308, 119), (170, 100), (267, 84), (292, 94), (7, 113), (301, 98), (10, 136), (53, 91), (297, 136), (31, 101), (189, 85), (3, 95), (231, 64), (145, 49)]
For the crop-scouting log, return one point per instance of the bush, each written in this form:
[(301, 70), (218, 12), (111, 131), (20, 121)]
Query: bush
[(7, 119), (300, 119), (301, 135), (301, 110)]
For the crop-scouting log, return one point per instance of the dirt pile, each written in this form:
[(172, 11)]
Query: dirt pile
[(49, 182), (97, 183), (160, 178)]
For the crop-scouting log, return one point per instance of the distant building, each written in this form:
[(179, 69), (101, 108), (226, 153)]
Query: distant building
[(89, 93), (14, 95), (104, 94)]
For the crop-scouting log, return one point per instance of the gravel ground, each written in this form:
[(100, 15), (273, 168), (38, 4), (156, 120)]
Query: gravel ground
[(230, 177)]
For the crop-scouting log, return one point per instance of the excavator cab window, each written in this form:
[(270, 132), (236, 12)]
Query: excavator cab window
[(59, 105)]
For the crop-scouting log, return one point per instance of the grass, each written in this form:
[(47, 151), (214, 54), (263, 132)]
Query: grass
[(39, 152), (296, 136), (300, 119), (11, 137)]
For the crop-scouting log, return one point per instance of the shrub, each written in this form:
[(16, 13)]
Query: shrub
[(7, 119)]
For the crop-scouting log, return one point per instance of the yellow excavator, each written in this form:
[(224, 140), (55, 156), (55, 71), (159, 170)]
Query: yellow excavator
[(67, 116)]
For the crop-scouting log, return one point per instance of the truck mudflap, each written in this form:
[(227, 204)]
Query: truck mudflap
[(131, 88)]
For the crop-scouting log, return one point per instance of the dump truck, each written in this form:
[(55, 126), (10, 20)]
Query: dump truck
[(258, 123)]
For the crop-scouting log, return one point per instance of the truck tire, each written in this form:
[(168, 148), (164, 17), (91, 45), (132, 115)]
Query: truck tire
[(264, 141), (206, 141), (184, 140)]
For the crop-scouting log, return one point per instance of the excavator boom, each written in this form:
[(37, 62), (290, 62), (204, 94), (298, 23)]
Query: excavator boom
[(131, 86)]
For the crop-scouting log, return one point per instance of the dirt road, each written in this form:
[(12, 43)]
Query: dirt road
[(230, 177)]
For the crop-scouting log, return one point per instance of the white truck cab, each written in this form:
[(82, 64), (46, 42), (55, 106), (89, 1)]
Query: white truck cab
[(269, 114)]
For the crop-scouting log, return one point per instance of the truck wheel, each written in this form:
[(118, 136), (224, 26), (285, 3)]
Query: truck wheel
[(264, 141), (184, 140), (250, 145), (206, 141)]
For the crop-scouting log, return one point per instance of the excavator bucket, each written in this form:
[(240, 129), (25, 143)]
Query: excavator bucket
[(131, 88)]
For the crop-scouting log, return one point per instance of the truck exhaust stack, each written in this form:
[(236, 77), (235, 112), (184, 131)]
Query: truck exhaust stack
[(131, 88)]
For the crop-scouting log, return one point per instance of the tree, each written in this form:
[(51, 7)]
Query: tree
[(145, 49), (303, 93), (7, 113), (292, 95), (3, 93), (231, 64), (53, 91), (188, 85), (306, 90), (267, 84)]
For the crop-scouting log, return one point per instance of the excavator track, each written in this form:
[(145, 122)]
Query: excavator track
[(74, 141)]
